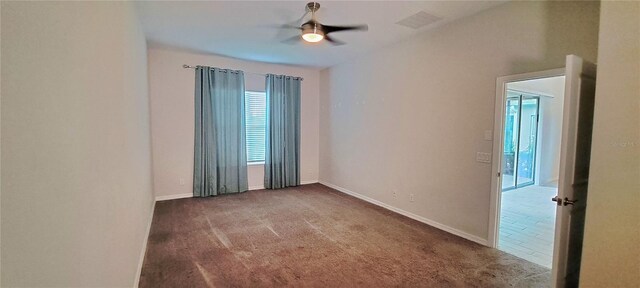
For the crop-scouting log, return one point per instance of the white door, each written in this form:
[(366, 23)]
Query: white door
[(580, 83)]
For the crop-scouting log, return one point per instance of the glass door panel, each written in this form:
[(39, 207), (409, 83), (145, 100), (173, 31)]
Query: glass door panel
[(520, 140), (511, 128), (527, 142)]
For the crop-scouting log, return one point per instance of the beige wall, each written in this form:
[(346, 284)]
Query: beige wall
[(611, 253), (410, 118), (551, 133), (76, 189), (171, 90)]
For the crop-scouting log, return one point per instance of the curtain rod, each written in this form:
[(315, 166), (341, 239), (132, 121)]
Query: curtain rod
[(185, 66)]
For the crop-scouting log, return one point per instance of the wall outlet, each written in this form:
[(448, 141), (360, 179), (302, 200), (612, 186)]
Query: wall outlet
[(395, 194), (411, 198), (181, 181)]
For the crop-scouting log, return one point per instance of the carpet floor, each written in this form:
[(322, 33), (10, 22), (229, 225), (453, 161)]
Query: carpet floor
[(314, 236)]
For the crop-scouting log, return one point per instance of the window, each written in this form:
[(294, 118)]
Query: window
[(256, 120)]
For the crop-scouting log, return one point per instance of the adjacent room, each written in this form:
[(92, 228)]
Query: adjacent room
[(530, 167), (320, 144)]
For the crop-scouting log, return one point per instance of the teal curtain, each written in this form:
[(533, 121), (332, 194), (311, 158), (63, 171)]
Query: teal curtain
[(282, 150), (220, 162)]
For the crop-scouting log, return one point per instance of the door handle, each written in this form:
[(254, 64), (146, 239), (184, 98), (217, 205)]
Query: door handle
[(563, 202)]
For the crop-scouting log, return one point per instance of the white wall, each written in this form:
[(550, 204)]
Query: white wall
[(611, 254), (171, 89), (76, 189), (550, 126), (410, 118)]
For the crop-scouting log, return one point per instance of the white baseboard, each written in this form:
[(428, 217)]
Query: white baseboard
[(551, 183), (136, 281), (189, 195), (424, 220), (174, 196), (259, 187), (301, 183)]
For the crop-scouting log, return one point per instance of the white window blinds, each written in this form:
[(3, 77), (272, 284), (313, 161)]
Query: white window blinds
[(256, 120)]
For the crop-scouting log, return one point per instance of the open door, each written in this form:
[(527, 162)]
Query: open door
[(575, 151)]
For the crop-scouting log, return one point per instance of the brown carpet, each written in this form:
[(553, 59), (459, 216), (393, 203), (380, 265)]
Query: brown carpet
[(314, 236)]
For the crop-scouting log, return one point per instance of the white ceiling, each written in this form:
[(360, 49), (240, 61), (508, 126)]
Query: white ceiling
[(247, 30)]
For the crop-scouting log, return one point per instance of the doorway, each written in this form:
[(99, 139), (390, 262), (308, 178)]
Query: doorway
[(571, 144), (530, 160)]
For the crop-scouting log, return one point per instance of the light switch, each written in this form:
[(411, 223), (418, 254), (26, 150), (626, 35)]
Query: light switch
[(488, 135)]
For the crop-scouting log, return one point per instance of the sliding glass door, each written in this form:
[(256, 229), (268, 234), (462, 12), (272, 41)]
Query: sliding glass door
[(520, 139)]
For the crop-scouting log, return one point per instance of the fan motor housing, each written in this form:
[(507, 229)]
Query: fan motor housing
[(312, 27)]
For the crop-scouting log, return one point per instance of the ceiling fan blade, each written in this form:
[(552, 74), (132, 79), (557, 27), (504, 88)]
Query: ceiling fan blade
[(328, 28), (289, 26), (333, 41), (292, 40), (282, 27), (299, 21)]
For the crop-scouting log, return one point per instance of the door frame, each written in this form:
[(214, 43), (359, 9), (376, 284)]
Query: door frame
[(498, 146)]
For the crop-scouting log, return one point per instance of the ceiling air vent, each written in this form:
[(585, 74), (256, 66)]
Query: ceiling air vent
[(419, 20)]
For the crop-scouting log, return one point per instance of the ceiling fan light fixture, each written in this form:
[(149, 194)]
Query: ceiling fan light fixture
[(312, 37), (311, 32)]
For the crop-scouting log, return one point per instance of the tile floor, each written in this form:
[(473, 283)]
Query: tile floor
[(527, 221), (508, 181)]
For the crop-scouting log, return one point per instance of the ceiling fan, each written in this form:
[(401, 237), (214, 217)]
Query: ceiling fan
[(314, 31)]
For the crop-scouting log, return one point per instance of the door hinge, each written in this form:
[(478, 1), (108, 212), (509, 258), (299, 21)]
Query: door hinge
[(568, 202)]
